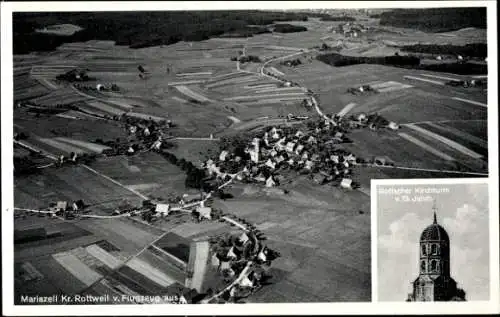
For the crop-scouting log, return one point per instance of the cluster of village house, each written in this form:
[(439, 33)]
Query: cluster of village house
[(287, 148), (231, 260), (233, 253), (350, 29), (140, 133)]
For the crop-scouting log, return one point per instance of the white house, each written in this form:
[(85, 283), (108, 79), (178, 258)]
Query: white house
[(243, 238), (261, 256), (205, 212), (271, 164), (260, 178), (351, 158), (393, 125), (245, 282), (156, 145), (270, 182), (231, 255), (61, 205), (226, 266), (254, 156), (290, 146), (299, 149), (309, 164), (162, 208), (223, 155), (346, 183), (311, 139), (299, 134), (361, 117), (215, 260), (182, 300)]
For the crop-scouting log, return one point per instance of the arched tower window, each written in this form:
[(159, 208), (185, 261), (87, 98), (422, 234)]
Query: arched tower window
[(433, 249), (434, 265), (423, 266), (423, 249)]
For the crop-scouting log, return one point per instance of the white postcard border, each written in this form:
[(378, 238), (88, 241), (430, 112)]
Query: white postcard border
[(491, 306)]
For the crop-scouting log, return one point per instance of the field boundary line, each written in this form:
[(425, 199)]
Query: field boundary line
[(440, 77), (424, 80), (114, 181), (428, 170), (32, 148), (462, 134), (472, 102), (197, 139), (442, 121)]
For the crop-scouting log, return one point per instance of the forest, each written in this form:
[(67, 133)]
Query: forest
[(344, 18), (413, 62), (469, 50), (142, 29), (435, 19)]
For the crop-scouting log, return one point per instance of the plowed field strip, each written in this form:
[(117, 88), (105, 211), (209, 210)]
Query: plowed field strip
[(93, 147), (446, 141), (426, 147), (346, 109), (76, 267), (150, 272), (276, 96), (425, 80), (103, 256)]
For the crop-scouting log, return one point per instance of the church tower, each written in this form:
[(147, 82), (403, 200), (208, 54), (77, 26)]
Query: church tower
[(434, 282)]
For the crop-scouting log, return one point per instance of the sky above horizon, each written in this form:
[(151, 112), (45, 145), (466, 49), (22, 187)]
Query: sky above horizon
[(462, 209)]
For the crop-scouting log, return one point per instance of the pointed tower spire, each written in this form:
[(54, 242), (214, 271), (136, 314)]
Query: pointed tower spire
[(434, 210)]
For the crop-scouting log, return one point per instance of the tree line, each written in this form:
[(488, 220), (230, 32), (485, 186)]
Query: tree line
[(413, 62), (435, 19), (142, 29)]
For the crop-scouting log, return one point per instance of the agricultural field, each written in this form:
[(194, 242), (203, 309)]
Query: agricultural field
[(149, 174), (321, 231), (297, 224)]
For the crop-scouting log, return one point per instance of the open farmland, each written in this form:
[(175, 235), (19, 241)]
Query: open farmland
[(157, 126), (296, 224)]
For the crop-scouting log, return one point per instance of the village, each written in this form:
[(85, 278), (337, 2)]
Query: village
[(230, 169)]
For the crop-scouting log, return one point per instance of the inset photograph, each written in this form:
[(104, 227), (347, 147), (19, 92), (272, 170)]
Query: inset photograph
[(432, 241)]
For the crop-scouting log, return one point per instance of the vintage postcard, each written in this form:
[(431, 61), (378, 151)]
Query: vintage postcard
[(212, 153)]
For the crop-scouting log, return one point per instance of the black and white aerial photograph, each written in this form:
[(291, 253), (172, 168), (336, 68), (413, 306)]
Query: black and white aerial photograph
[(225, 156), (433, 242)]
